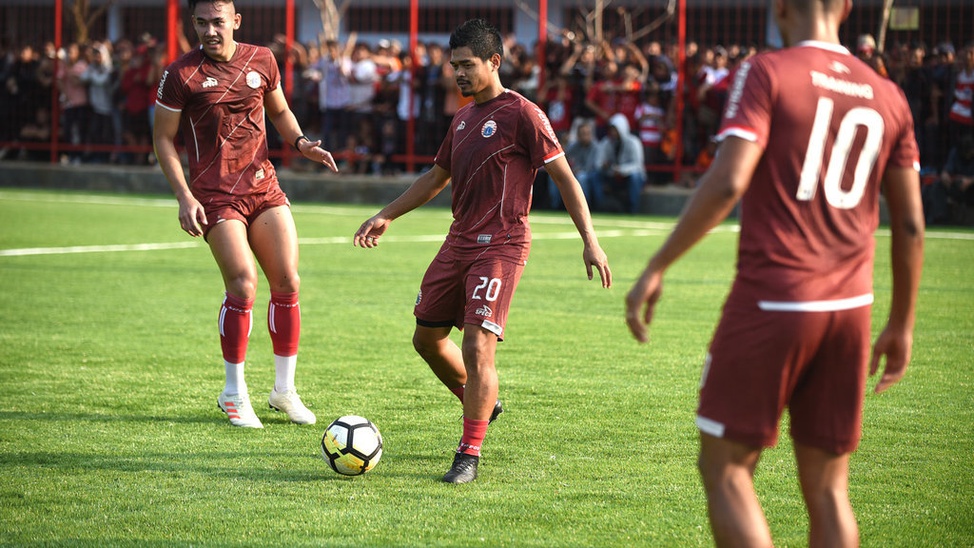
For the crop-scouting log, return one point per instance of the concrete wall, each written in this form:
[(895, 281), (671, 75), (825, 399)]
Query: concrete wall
[(300, 187)]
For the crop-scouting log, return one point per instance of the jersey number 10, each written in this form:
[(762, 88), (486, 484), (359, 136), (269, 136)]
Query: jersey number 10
[(859, 117)]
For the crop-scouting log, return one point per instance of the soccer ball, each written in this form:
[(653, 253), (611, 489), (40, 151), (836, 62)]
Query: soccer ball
[(351, 445)]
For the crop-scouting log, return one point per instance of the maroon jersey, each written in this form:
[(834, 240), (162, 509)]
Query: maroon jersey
[(493, 151), (829, 126), (222, 122)]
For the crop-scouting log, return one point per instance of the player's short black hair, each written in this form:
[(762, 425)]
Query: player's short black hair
[(483, 39), (192, 3)]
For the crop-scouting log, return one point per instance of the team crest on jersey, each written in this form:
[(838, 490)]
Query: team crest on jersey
[(253, 79), (462, 125), (489, 128)]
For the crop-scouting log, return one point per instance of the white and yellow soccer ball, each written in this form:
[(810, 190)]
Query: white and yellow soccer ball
[(351, 445)]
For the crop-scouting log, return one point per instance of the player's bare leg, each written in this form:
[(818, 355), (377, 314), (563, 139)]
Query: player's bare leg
[(824, 478), (479, 401), (727, 470), (228, 244), (446, 360), (231, 250), (480, 396), (442, 355), (274, 241)]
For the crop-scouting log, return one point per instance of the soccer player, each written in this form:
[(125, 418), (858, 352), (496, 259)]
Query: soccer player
[(491, 152), (809, 136), (217, 96)]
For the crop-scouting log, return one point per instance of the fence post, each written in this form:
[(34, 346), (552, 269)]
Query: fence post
[(288, 68), (55, 88), (172, 39), (411, 120), (681, 83), (542, 44)]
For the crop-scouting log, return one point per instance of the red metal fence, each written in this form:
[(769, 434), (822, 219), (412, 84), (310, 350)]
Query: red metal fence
[(36, 38)]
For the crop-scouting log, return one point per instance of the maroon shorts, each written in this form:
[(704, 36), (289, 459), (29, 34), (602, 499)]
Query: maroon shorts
[(221, 207), (815, 363), (478, 292)]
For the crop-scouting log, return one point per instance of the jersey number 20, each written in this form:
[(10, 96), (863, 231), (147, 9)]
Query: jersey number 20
[(859, 117), (493, 286)]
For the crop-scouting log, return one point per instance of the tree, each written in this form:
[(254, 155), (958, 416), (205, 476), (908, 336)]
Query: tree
[(591, 24), (331, 17), (84, 15)]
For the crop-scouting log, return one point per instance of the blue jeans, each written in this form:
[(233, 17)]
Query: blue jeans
[(590, 184), (632, 184)]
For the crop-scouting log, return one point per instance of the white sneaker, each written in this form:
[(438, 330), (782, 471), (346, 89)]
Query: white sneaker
[(238, 409), (290, 402)]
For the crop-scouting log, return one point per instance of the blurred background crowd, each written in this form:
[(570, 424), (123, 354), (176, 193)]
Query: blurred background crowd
[(614, 104)]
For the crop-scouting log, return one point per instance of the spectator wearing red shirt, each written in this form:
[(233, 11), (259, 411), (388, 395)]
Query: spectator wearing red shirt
[(650, 124), (558, 101), (629, 92), (601, 99), (962, 108), (136, 91)]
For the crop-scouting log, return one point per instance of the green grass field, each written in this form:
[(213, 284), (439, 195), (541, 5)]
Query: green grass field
[(110, 366)]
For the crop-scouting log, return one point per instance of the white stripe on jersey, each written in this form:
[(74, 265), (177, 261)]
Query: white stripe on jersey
[(817, 306), (737, 131)]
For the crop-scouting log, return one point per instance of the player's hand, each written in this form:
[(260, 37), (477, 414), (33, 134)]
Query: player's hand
[(640, 303), (312, 150), (191, 217), (369, 233), (595, 257), (897, 346)]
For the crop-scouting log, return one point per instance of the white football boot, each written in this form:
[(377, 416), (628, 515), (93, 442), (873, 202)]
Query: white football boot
[(290, 402), (238, 410)]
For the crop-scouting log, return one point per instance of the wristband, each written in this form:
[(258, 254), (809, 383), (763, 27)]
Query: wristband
[(298, 140)]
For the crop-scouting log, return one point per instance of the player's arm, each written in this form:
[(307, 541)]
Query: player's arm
[(719, 190), (279, 113), (423, 189), (902, 193), (574, 200), (164, 129)]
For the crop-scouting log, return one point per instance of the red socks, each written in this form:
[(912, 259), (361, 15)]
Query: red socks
[(235, 323), (284, 323), (474, 433)]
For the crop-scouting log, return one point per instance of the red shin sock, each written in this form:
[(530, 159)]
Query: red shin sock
[(473, 436), (284, 323), (235, 323)]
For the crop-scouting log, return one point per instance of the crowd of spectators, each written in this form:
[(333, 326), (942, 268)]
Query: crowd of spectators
[(358, 98), (106, 92)]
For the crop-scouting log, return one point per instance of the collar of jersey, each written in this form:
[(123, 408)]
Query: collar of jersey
[(823, 45)]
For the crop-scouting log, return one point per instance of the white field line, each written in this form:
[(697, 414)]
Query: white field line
[(621, 227), (93, 249), (337, 240)]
